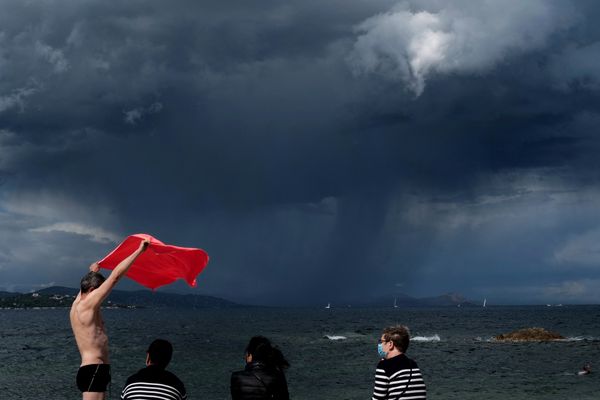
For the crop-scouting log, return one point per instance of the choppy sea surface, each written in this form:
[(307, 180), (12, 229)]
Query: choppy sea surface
[(332, 351)]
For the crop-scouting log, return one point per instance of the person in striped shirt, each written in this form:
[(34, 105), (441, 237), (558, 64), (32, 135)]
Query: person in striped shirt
[(397, 377), (155, 382)]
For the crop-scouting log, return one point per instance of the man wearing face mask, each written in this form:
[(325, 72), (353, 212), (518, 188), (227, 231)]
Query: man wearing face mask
[(397, 376)]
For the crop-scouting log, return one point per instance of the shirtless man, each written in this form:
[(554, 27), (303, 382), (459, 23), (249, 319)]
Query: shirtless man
[(93, 376)]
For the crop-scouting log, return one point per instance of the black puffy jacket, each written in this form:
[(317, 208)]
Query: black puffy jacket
[(259, 382)]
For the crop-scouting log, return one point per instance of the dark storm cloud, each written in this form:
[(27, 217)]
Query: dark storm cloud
[(335, 149)]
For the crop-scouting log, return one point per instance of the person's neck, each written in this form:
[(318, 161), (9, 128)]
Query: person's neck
[(393, 353)]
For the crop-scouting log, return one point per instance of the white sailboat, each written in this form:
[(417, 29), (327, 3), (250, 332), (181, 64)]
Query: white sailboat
[(395, 302), (484, 302), (328, 306)]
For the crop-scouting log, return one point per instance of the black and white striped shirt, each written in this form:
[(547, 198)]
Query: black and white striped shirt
[(153, 383), (399, 378)]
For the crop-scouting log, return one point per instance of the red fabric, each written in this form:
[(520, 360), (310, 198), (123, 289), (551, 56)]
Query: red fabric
[(160, 264)]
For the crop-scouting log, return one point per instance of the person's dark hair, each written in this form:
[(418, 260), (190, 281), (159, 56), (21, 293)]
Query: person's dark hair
[(263, 351), (160, 352), (399, 335), (91, 280)]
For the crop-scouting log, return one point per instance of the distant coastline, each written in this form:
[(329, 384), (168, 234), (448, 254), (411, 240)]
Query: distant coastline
[(62, 297)]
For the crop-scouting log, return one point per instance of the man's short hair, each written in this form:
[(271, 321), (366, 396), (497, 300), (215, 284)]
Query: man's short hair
[(160, 353), (399, 335), (91, 280)]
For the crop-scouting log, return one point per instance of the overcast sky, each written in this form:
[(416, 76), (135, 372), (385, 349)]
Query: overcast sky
[(317, 150)]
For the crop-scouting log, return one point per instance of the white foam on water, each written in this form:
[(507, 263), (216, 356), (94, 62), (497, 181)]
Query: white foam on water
[(434, 338), (336, 337), (580, 339)]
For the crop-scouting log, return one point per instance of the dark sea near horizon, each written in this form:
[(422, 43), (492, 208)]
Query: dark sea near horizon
[(332, 351)]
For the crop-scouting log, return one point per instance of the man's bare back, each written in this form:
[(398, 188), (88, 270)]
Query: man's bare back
[(89, 332), (88, 326)]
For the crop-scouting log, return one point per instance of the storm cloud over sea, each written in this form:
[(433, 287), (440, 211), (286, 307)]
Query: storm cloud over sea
[(316, 150)]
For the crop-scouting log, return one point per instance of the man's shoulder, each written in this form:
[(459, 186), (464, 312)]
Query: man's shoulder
[(153, 375), (87, 304), (136, 376), (172, 377), (171, 387), (397, 363)]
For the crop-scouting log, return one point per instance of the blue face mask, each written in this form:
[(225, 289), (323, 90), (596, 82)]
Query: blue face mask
[(382, 353)]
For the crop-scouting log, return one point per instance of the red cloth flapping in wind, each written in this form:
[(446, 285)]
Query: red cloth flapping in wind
[(160, 264)]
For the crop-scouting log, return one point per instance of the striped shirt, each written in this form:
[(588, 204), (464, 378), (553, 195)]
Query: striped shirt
[(153, 383), (399, 378)]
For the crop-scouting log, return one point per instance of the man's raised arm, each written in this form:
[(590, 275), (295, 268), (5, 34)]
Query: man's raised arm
[(98, 295)]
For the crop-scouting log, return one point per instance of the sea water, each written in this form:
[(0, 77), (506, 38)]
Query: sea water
[(332, 352)]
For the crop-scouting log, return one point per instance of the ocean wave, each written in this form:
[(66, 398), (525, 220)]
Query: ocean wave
[(434, 338), (580, 339), (335, 337)]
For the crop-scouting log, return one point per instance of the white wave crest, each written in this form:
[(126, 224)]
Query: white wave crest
[(335, 337), (580, 339), (434, 338)]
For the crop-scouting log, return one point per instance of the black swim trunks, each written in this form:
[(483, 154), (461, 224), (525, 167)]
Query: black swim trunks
[(93, 377)]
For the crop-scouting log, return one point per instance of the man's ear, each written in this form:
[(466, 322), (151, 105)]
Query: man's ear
[(148, 361)]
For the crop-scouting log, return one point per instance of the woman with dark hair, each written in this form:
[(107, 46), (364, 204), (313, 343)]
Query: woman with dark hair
[(263, 377)]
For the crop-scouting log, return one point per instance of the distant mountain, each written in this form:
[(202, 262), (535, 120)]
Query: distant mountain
[(59, 296), (59, 290), (449, 299)]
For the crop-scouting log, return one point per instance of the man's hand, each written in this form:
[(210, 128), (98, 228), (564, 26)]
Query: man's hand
[(144, 245), (94, 267)]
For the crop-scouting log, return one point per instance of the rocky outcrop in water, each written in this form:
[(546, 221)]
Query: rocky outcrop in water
[(529, 335)]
